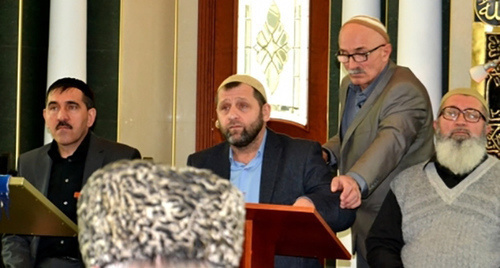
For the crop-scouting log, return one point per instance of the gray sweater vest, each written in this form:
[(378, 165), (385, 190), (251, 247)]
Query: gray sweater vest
[(442, 227)]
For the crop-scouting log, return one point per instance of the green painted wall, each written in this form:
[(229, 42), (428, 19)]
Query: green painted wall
[(103, 35), (35, 43), (33, 73), (334, 80), (8, 65)]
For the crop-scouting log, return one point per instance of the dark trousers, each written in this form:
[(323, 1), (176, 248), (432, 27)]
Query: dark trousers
[(60, 263)]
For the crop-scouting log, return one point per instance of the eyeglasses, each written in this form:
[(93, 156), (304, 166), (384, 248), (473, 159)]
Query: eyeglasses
[(357, 57), (470, 115)]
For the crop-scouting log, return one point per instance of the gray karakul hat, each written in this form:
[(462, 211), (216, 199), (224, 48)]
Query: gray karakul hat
[(133, 211)]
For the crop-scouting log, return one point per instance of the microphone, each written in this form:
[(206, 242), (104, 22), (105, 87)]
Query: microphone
[(480, 72)]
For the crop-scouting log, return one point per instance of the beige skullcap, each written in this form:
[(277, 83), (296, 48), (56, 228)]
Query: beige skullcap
[(467, 92), (372, 23), (247, 79)]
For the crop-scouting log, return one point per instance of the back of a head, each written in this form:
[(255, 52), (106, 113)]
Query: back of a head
[(164, 263), (132, 212)]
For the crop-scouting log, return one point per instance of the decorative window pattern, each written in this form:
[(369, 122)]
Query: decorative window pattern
[(273, 46)]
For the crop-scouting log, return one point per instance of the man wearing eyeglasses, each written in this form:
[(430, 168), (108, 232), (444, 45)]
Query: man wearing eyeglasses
[(444, 212), (385, 123)]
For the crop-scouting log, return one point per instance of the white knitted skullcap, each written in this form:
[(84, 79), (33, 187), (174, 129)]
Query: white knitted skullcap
[(466, 92), (370, 22), (247, 79)]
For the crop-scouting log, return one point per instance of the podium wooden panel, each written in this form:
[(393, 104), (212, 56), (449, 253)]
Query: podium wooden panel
[(286, 230), (31, 213)]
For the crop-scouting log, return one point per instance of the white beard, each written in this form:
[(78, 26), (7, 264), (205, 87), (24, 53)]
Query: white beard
[(461, 157)]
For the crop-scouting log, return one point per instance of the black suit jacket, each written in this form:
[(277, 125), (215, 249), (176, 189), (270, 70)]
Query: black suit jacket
[(291, 168), (35, 166)]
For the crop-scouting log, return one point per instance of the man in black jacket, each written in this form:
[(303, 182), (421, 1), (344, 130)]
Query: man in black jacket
[(266, 166), (60, 169)]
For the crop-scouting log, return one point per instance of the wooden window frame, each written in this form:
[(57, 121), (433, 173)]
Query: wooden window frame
[(217, 49)]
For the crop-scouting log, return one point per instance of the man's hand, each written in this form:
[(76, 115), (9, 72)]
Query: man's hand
[(351, 195), (303, 202), (325, 155)]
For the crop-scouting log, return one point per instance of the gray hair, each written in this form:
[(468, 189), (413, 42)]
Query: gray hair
[(136, 210)]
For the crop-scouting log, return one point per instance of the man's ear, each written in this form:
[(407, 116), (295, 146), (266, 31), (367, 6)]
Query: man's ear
[(91, 115), (266, 112), (387, 49)]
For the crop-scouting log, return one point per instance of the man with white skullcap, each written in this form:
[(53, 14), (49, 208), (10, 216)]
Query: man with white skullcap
[(385, 123), (444, 212), (266, 166)]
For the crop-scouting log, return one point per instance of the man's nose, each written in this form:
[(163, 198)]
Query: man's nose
[(350, 63), (233, 113), (461, 119), (62, 114)]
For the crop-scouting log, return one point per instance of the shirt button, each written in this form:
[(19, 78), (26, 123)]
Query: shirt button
[(62, 242), (66, 180), (65, 203)]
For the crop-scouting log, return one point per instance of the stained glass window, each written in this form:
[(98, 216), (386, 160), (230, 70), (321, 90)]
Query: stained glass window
[(273, 46)]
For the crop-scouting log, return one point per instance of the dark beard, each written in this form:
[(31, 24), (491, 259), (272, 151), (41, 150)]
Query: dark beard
[(247, 135)]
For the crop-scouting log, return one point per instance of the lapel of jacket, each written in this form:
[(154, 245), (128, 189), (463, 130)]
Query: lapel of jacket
[(219, 162), (94, 159), (379, 88), (342, 99), (273, 150), (43, 167)]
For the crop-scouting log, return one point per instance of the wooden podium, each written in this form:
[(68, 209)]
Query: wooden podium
[(290, 231), (31, 213)]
